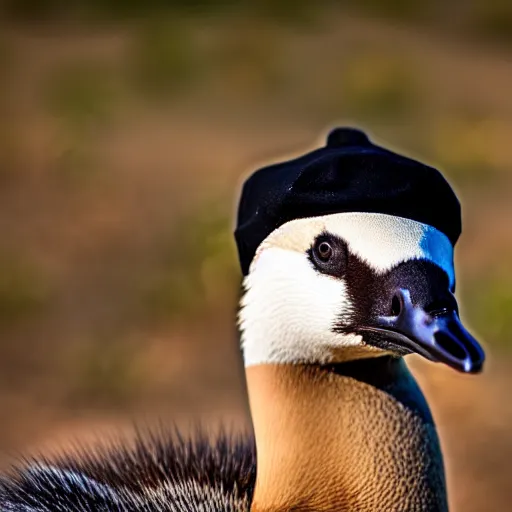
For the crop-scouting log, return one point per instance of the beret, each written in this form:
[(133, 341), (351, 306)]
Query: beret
[(348, 174)]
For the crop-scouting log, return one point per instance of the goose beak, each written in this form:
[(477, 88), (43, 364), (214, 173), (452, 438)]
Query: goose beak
[(438, 336)]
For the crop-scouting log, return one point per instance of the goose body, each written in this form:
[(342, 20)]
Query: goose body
[(347, 268)]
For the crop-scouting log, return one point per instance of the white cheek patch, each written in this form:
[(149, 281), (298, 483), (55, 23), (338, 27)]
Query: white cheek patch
[(384, 241), (288, 311)]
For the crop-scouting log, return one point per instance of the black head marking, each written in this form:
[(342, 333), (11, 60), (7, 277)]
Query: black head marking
[(329, 254), (372, 294)]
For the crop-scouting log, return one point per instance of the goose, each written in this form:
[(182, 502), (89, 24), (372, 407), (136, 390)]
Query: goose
[(347, 258)]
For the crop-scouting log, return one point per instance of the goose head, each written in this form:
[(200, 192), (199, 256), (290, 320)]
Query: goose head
[(348, 284)]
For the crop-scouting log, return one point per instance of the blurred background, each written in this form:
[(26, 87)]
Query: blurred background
[(126, 128)]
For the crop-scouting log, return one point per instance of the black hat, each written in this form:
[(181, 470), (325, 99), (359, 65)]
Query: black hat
[(349, 174)]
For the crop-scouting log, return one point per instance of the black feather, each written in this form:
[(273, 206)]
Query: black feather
[(155, 472)]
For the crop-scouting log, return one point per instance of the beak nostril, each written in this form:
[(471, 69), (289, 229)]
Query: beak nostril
[(396, 306)]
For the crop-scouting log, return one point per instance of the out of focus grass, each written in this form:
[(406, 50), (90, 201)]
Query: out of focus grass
[(489, 20), (9, 145), (246, 61), (199, 266), (489, 306), (284, 10), (6, 59), (82, 95), (492, 20), (23, 290), (82, 98), (163, 59), (461, 145), (378, 86), (11, 149), (105, 373), (403, 10)]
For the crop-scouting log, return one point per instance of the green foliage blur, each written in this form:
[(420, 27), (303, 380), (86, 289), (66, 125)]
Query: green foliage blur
[(490, 20), (23, 290)]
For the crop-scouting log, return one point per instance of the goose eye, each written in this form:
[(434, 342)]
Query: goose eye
[(329, 255), (324, 251)]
